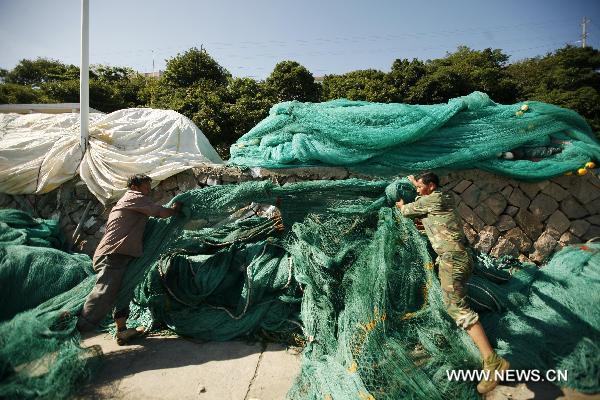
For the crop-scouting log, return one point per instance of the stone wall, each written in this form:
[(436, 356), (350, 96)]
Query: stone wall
[(501, 216), (528, 220)]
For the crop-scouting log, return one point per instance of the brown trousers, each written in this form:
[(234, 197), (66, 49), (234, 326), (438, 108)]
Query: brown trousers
[(110, 268)]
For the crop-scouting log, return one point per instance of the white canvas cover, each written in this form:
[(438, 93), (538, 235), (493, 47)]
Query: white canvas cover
[(38, 152)]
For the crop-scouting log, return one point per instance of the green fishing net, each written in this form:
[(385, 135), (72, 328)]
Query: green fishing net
[(18, 227), (387, 139), (337, 265), (32, 266)]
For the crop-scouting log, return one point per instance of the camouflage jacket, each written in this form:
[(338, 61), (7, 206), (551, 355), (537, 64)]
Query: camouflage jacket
[(441, 222)]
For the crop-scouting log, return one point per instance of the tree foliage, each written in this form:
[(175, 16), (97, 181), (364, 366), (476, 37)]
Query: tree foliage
[(248, 104), (194, 85), (49, 81), (192, 67), (11, 93), (569, 77), (404, 75), (225, 108), (367, 85), (291, 81), (459, 74), (41, 70)]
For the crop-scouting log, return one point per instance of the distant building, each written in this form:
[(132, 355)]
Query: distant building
[(58, 108), (155, 74)]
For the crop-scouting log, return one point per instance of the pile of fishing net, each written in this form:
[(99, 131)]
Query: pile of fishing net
[(336, 265), (33, 268), (382, 139)]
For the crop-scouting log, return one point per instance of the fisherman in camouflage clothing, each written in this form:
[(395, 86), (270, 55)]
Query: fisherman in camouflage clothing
[(444, 230)]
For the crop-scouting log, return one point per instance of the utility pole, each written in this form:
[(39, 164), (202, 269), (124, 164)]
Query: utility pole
[(152, 88), (584, 33), (84, 75)]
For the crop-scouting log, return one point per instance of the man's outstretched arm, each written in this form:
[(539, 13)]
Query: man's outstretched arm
[(154, 210), (417, 208), (165, 212)]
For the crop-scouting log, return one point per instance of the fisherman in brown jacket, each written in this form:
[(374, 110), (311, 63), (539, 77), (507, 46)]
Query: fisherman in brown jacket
[(122, 242)]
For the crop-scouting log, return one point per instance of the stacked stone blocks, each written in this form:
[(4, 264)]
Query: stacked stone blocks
[(500, 215)]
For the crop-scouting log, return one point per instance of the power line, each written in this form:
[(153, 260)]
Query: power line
[(352, 40), (539, 47), (340, 39), (361, 51), (340, 53), (384, 49)]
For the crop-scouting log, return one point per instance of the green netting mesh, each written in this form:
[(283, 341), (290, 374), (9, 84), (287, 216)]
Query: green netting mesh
[(18, 227), (347, 272), (388, 139), (31, 269)]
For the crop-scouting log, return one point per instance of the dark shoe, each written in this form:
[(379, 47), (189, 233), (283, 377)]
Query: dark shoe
[(125, 336)]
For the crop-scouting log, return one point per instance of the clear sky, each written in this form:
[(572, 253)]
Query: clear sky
[(327, 36)]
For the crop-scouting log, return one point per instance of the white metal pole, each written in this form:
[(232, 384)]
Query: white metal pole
[(584, 34), (84, 89)]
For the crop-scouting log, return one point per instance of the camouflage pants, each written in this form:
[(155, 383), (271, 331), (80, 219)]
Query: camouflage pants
[(454, 271)]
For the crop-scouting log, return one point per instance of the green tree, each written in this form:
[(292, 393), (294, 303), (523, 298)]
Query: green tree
[(39, 71), (211, 114), (133, 91), (128, 87), (404, 75), (104, 96), (292, 81), (11, 93), (568, 68), (192, 67), (195, 85), (149, 90), (63, 91), (224, 108), (437, 87), (205, 103), (110, 74), (368, 85), (568, 77), (461, 73), (248, 104), (50, 81)]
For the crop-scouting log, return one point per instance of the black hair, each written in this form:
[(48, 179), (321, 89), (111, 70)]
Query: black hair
[(137, 180), (429, 177)]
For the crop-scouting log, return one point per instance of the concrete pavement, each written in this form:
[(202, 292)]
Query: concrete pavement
[(170, 367)]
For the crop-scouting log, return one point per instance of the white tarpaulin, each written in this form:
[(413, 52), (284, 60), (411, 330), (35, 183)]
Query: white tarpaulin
[(38, 152)]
